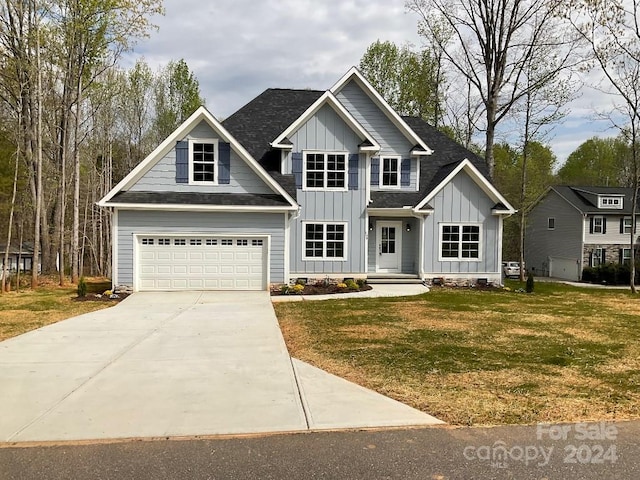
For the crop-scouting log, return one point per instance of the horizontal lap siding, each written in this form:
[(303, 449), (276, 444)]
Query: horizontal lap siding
[(135, 222), (462, 201), (565, 241), (162, 176)]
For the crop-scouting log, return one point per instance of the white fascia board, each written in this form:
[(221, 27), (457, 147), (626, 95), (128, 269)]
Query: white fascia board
[(179, 133), (326, 98), (208, 208), (377, 98), (478, 178)]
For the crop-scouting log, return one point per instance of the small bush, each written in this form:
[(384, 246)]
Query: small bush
[(301, 281), (351, 285), (361, 282), (341, 285), (284, 289), (82, 287), (530, 283), (297, 288)]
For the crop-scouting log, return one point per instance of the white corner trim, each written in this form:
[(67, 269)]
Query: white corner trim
[(178, 134), (114, 249), (287, 246), (478, 178), (377, 98), (326, 98)]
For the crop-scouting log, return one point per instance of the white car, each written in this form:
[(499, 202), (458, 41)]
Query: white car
[(511, 269)]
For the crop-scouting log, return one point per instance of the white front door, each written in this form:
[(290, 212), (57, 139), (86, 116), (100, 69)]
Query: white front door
[(389, 244)]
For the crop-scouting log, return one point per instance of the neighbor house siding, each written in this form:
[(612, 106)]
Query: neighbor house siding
[(462, 201), (132, 222), (162, 176), (613, 235), (563, 242)]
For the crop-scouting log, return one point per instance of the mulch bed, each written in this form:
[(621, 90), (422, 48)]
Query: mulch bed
[(321, 290), (90, 297)]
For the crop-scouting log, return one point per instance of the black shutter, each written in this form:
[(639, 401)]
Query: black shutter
[(375, 171), (620, 256), (224, 166), (604, 225), (296, 167), (591, 225), (353, 171), (182, 162), (405, 172), (622, 225)]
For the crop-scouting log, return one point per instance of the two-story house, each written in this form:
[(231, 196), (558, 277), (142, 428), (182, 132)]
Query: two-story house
[(305, 183), (570, 228)]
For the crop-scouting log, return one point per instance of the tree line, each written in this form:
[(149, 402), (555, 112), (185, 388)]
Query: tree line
[(74, 123)]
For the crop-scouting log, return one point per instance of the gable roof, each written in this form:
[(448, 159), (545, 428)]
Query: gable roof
[(355, 75), (201, 114), (584, 199), (327, 98)]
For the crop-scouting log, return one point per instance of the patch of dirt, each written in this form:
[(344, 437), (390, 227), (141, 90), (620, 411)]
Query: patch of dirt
[(101, 298)]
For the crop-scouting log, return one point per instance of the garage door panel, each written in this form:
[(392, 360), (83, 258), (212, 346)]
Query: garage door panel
[(203, 263)]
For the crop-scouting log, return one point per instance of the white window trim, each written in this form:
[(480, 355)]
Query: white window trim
[(324, 188), (216, 160), (549, 219), (613, 202), (381, 174), (628, 259), (324, 258), (626, 227), (601, 232), (460, 258)]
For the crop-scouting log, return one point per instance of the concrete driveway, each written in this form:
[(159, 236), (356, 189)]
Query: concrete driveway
[(175, 364)]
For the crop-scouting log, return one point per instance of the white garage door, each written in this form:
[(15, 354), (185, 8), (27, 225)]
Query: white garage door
[(564, 268), (201, 263)]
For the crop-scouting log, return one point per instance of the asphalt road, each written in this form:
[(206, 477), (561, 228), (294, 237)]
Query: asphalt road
[(571, 451)]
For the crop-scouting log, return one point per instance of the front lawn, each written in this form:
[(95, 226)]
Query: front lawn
[(29, 309), (482, 356)]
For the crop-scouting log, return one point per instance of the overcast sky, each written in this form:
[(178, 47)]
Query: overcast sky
[(238, 48)]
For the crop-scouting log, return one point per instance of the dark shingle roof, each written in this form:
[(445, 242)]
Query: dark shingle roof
[(265, 117), (192, 198), (447, 155), (585, 198)]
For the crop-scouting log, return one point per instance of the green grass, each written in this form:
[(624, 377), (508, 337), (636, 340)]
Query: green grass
[(470, 356)]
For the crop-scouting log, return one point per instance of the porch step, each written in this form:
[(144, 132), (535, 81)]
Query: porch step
[(393, 278)]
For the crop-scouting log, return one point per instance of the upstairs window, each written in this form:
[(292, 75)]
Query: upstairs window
[(626, 225), (390, 172), (325, 171), (610, 202), (598, 225), (551, 223), (203, 155)]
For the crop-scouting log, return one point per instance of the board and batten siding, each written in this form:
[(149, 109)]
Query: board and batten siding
[(132, 222), (462, 201), (563, 242), (162, 176), (326, 131)]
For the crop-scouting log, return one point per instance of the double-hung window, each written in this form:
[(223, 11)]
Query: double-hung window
[(625, 255), (598, 225), (324, 241), (203, 156), (390, 172), (325, 171), (626, 225), (460, 242)]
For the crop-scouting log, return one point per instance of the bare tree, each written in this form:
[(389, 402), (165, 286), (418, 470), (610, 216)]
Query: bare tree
[(493, 42), (612, 30)]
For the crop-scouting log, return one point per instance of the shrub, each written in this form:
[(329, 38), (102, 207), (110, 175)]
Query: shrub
[(351, 285), (284, 289), (297, 288), (589, 274), (301, 281), (82, 287), (530, 283), (341, 285), (361, 282)]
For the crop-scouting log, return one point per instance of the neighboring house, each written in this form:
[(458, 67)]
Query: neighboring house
[(18, 256), (571, 228), (303, 183)]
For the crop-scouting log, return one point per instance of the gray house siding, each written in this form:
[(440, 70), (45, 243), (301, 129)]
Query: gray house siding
[(462, 201), (162, 176), (327, 131), (132, 222), (563, 242), (410, 243), (413, 179), (369, 115)]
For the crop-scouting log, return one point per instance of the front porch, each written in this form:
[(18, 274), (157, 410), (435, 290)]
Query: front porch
[(393, 248)]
